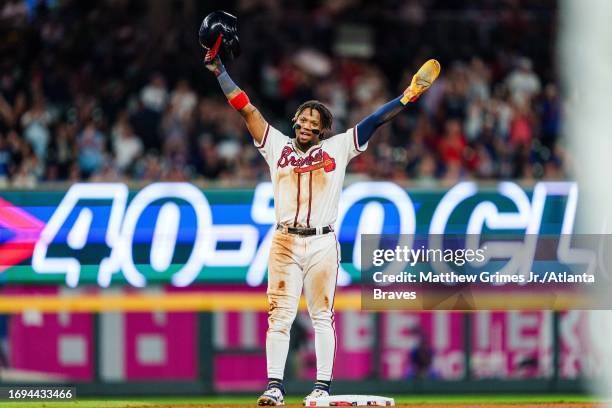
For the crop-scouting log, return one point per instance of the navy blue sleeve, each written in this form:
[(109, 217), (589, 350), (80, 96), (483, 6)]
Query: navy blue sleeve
[(366, 128)]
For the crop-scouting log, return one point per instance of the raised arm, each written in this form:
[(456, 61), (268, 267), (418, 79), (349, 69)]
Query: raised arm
[(238, 99), (421, 81), (366, 128)]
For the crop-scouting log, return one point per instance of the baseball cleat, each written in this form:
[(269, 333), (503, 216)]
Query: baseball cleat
[(316, 393), (421, 81), (271, 397)]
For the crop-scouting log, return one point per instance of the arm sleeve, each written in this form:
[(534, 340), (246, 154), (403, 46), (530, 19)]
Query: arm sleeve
[(228, 86), (366, 128)]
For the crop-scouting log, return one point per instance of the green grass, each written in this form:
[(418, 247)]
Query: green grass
[(493, 398), (228, 400)]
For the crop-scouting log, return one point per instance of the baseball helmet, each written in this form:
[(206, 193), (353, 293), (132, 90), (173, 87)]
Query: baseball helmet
[(219, 34)]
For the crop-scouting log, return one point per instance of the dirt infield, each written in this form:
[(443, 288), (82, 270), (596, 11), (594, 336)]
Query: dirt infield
[(449, 405)]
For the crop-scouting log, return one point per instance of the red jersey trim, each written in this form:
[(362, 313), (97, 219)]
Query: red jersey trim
[(297, 202), (263, 142), (355, 140), (309, 199)]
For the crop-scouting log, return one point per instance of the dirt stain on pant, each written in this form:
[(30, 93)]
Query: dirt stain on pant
[(322, 281), (282, 257)]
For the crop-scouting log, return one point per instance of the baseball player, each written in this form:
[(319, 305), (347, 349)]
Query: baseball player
[(307, 172)]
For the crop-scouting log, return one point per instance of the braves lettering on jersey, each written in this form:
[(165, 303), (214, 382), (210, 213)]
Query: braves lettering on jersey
[(307, 185)]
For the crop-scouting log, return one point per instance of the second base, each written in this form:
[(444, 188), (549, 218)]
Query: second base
[(350, 401)]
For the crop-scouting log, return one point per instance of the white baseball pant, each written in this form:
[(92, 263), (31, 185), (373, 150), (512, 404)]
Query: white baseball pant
[(310, 262)]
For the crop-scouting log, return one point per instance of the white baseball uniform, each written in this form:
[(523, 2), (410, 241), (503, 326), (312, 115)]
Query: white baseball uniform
[(307, 187)]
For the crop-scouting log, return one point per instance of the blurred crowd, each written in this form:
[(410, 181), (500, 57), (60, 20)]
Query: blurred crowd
[(116, 90)]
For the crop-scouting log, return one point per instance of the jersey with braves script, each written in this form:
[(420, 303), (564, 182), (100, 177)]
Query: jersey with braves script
[(307, 185)]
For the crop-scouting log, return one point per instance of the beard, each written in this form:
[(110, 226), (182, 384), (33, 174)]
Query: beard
[(305, 146)]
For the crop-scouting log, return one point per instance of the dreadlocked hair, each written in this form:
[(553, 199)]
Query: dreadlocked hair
[(326, 116)]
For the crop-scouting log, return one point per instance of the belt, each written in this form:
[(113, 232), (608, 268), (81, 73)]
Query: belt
[(305, 231)]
